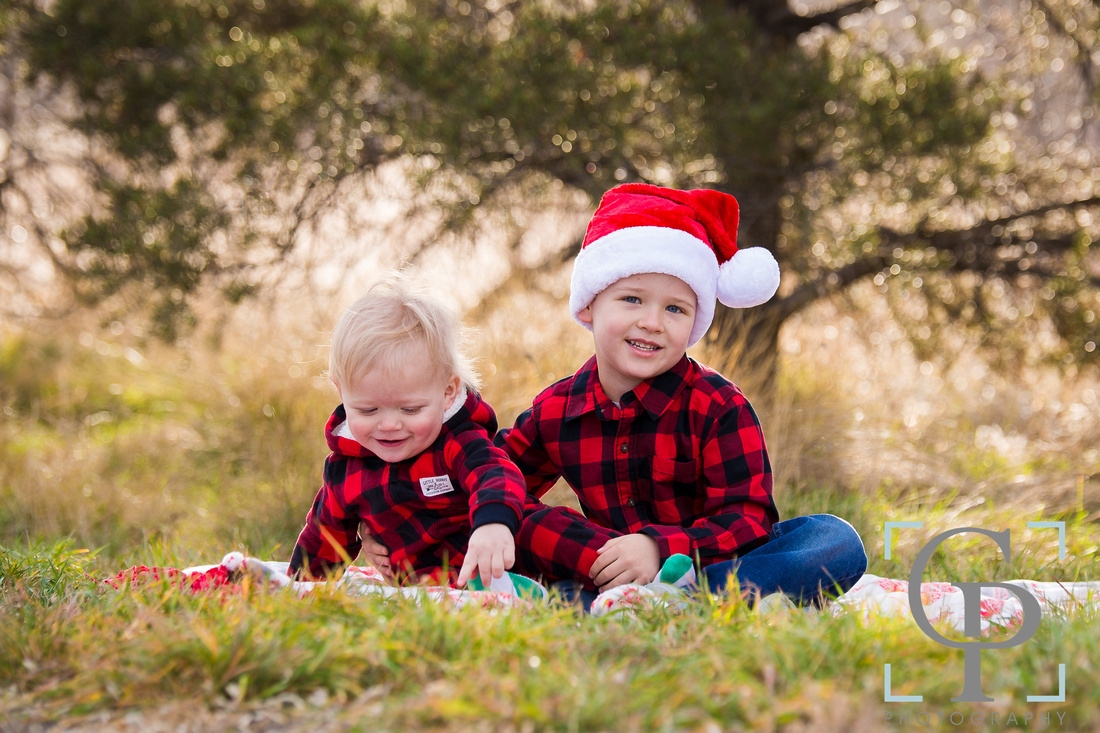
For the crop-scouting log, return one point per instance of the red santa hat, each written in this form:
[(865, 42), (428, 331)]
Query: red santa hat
[(692, 235)]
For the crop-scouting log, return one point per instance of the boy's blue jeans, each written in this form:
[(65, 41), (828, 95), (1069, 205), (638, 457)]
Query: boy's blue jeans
[(810, 559)]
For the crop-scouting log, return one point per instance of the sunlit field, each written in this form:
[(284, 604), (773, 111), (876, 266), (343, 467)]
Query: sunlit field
[(117, 451)]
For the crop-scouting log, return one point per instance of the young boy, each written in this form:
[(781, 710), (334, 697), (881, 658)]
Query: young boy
[(666, 456), (412, 454)]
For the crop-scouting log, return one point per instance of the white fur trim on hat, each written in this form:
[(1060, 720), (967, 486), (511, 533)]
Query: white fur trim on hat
[(749, 278), (639, 250)]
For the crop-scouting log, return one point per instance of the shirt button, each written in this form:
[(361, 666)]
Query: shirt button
[(622, 448), (630, 501)]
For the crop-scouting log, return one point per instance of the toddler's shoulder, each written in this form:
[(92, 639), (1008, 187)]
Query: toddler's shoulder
[(474, 416)]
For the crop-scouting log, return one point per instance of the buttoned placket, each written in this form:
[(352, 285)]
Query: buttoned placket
[(623, 456)]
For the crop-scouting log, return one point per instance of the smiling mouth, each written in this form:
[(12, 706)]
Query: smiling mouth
[(643, 347), (391, 443)]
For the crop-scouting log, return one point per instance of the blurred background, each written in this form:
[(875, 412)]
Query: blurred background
[(192, 190)]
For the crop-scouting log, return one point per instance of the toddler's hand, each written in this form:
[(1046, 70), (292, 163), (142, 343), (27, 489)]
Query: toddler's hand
[(378, 555), (632, 558), (491, 551)]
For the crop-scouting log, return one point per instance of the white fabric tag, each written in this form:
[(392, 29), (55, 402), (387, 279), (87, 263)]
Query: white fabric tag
[(436, 485)]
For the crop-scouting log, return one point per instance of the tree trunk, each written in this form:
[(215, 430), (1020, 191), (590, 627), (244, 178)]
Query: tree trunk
[(744, 345)]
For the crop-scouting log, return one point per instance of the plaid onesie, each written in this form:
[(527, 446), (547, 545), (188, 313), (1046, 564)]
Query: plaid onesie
[(422, 509)]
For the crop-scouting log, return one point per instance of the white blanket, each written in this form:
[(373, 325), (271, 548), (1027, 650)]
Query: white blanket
[(943, 603), (871, 596)]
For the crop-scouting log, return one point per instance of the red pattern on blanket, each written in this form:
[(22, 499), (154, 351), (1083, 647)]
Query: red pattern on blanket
[(139, 575)]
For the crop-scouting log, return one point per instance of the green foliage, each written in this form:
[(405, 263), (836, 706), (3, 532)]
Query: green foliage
[(44, 573), (206, 109), (231, 125), (261, 73), (159, 238)]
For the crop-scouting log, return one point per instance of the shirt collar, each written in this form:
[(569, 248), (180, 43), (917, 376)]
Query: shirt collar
[(581, 397), (655, 394), (457, 405)]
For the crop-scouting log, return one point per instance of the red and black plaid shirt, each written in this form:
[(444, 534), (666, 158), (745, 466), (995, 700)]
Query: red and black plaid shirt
[(423, 508), (681, 459)]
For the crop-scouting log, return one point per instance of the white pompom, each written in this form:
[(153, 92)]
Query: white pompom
[(233, 561), (749, 278)]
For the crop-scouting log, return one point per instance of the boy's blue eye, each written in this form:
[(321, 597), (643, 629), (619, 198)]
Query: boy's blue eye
[(411, 410), (366, 410)]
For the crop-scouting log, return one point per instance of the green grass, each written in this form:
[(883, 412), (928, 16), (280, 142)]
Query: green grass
[(110, 460), (73, 647)]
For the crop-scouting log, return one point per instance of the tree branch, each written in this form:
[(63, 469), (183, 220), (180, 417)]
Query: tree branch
[(989, 224), (953, 242), (832, 282), (779, 20)]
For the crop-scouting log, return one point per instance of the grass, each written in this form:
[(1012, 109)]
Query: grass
[(114, 453), (393, 665)]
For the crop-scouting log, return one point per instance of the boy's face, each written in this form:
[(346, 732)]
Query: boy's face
[(641, 325), (398, 414)]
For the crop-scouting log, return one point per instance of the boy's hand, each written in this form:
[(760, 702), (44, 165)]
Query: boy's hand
[(491, 551), (378, 555), (632, 558)]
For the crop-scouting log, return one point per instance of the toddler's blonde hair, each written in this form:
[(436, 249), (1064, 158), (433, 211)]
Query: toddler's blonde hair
[(378, 329)]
